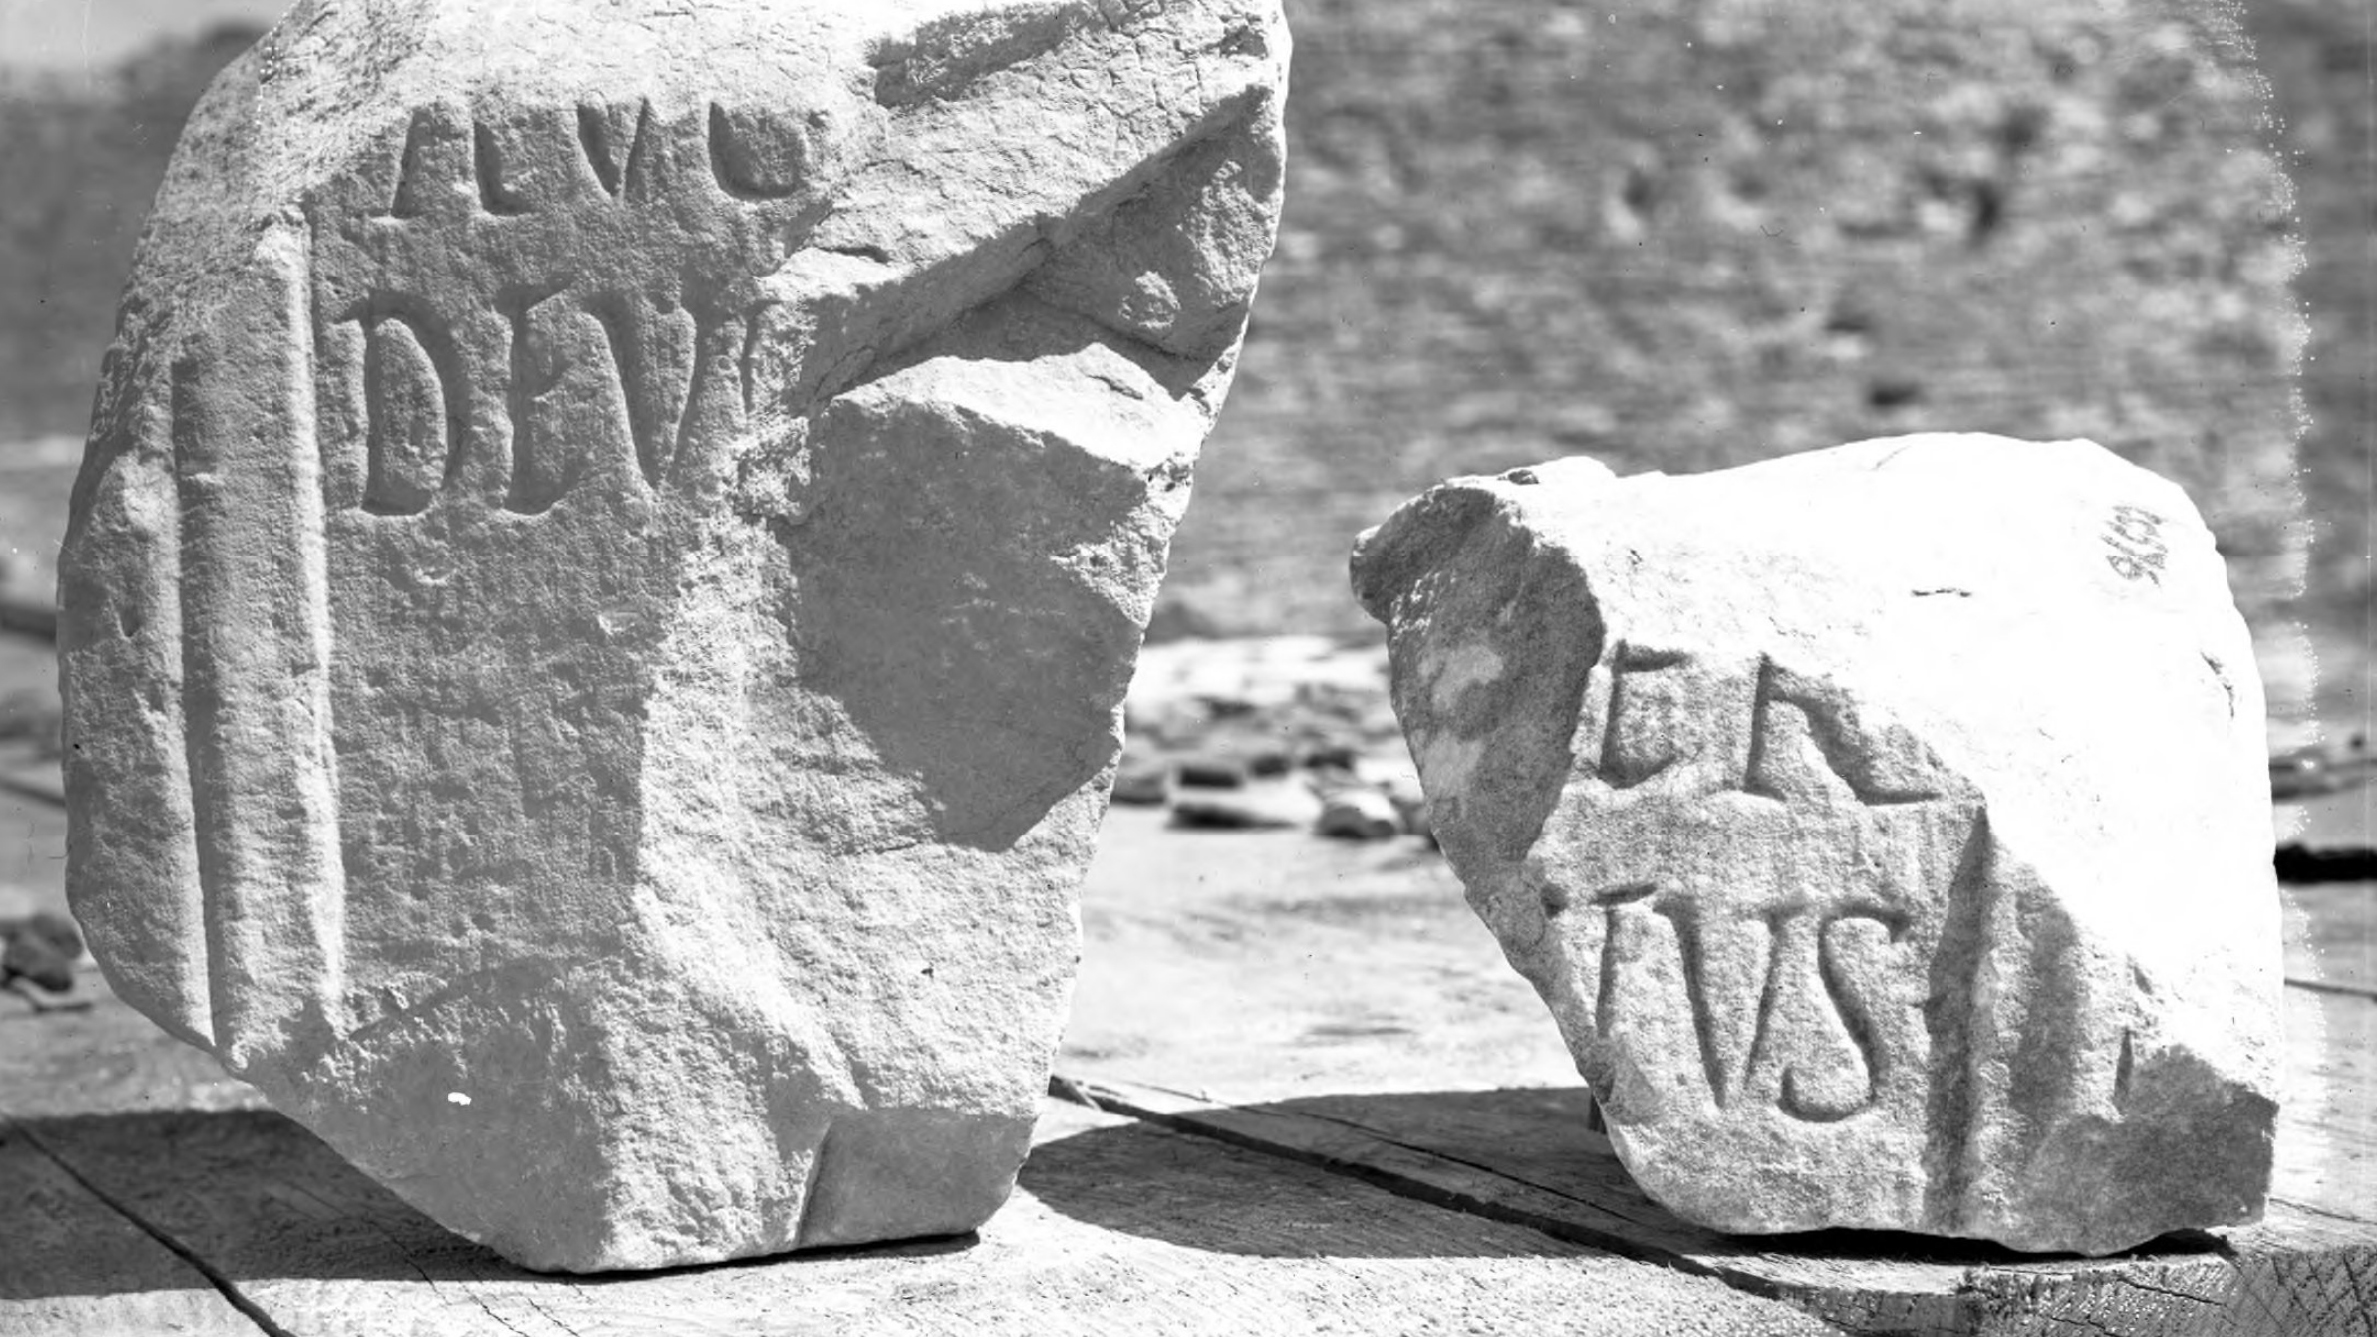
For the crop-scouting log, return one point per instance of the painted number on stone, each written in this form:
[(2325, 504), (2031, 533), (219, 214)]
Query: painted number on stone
[(2133, 537)]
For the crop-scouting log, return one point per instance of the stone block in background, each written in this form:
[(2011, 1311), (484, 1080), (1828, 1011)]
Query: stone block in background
[(1887, 827), (600, 596)]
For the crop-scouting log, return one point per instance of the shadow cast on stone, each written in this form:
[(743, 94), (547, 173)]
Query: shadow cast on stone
[(259, 1199), (1498, 1142)]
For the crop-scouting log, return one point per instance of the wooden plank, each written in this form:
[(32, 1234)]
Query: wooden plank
[(1117, 1227), (2332, 935), (1523, 1156), (2327, 1132), (71, 1265), (1427, 1120), (1346, 997)]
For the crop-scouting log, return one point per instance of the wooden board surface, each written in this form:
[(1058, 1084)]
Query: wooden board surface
[(1393, 1140), (2332, 935), (72, 1264), (1117, 1227)]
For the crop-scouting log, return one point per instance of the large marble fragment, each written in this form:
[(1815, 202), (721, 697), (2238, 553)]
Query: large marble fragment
[(1887, 827), (610, 553)]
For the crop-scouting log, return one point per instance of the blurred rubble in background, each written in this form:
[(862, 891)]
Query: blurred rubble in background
[(1669, 234)]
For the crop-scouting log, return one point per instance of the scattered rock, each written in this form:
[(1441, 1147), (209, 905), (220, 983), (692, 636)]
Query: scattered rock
[(1171, 723), (42, 950), (612, 547), (1327, 780), (1886, 826), (1269, 763), (1210, 773), (1264, 807), (1333, 756), (1143, 783), (1359, 814)]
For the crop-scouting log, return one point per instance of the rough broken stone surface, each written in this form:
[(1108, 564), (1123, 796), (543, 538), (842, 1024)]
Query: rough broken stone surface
[(1887, 827), (602, 587)]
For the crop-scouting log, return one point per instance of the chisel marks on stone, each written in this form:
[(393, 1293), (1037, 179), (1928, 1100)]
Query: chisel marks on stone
[(1952, 1015)]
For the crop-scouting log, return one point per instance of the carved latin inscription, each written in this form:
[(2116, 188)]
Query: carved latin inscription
[(408, 201), (757, 155), (612, 376), (613, 139), (482, 349), (1845, 895), (488, 156), (1639, 741), (410, 434), (1774, 734), (1784, 976)]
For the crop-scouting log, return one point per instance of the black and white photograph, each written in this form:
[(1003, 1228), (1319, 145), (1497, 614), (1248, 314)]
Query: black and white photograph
[(1269, 667)]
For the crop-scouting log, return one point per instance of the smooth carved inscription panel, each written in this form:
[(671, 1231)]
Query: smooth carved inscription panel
[(545, 298), (613, 138), (1812, 1044), (1735, 962)]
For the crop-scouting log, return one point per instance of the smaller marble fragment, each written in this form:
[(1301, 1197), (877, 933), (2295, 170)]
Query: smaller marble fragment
[(1887, 827), (1142, 781)]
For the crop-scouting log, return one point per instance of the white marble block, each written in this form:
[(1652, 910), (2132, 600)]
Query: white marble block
[(1887, 827), (600, 596)]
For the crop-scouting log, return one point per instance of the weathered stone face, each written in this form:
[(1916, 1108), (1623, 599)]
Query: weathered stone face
[(611, 549), (1887, 827)]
